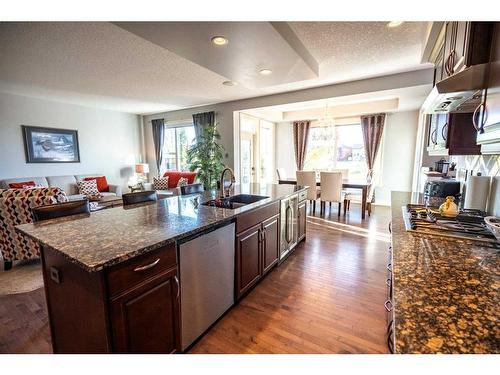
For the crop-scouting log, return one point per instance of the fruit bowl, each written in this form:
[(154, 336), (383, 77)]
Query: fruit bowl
[(493, 224)]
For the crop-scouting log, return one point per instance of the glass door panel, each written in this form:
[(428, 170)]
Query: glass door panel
[(247, 169), (266, 151)]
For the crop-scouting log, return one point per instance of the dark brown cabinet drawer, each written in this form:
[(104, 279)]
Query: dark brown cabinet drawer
[(126, 275), (254, 217)]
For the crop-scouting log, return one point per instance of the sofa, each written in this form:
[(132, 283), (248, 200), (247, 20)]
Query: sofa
[(65, 183), (173, 180)]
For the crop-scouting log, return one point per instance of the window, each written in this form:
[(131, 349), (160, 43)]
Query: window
[(178, 140), (336, 147)]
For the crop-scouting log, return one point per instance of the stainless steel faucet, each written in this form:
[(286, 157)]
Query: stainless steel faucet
[(225, 191)]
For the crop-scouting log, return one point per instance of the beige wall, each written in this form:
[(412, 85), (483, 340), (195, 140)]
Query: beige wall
[(110, 142), (398, 155)]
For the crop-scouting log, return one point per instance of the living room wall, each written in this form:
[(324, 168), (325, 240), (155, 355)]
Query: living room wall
[(110, 142)]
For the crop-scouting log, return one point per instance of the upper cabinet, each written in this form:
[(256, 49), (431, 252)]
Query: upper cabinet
[(487, 114), (465, 44), (452, 134)]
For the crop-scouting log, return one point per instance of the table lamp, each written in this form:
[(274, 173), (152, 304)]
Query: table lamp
[(142, 169)]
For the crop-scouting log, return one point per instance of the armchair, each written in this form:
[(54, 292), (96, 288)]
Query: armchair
[(15, 209)]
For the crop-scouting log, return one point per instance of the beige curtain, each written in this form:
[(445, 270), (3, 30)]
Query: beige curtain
[(372, 127), (300, 135)]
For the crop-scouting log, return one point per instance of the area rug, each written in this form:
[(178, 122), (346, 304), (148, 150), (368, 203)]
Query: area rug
[(24, 277)]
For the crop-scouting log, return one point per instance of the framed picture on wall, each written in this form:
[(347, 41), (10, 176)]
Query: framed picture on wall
[(50, 145)]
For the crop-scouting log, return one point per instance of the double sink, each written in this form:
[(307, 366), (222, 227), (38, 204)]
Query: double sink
[(235, 201)]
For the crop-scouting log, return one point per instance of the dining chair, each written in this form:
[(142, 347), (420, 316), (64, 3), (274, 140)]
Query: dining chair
[(139, 197), (308, 178), (345, 193), (331, 190), (53, 211), (281, 173)]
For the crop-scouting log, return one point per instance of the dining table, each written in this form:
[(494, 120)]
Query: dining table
[(346, 184)]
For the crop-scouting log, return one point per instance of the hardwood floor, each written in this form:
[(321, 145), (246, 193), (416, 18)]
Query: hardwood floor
[(24, 324), (326, 298)]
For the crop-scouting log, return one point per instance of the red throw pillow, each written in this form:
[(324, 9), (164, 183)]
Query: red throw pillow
[(175, 176), (102, 183), (21, 185)]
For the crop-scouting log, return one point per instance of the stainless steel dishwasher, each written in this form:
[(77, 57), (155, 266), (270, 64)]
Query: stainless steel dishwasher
[(206, 279)]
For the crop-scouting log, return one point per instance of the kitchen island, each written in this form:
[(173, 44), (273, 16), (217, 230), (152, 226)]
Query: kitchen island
[(445, 293), (112, 278)]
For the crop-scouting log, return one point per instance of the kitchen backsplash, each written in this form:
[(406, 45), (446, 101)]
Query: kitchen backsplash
[(488, 165)]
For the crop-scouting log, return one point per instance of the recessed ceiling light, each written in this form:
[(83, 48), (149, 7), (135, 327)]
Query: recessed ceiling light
[(220, 40), (265, 72), (395, 23), (229, 83)]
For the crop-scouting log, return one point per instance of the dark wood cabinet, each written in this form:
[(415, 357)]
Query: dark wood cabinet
[(301, 220), (145, 319), (131, 307), (487, 115), (439, 66), (270, 243), (248, 258), (466, 44), (257, 247), (452, 134)]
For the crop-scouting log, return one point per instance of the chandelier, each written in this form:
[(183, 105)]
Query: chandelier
[(327, 119)]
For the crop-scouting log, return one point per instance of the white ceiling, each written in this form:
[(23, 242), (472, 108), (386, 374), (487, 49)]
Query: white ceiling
[(103, 65)]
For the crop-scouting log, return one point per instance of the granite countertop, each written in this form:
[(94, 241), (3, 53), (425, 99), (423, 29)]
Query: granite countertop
[(110, 236), (446, 291)]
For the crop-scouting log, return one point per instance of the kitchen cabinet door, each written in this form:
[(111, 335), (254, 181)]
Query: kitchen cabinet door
[(302, 217), (248, 258), (145, 319), (270, 248), (461, 38), (466, 44), (439, 67), (487, 115), (438, 133), (442, 129), (449, 48)]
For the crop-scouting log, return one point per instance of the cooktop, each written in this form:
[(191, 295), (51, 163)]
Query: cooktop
[(469, 224)]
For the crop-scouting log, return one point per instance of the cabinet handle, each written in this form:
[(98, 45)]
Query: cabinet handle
[(287, 223), (434, 136), (388, 282), (450, 63), (444, 135), (390, 226), (264, 234), (388, 305), (147, 266), (178, 286), (474, 115), (389, 267)]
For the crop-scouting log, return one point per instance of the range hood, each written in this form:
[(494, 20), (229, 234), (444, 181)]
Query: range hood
[(459, 93)]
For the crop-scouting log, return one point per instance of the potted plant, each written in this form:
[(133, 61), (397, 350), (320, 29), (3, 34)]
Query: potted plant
[(206, 156)]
